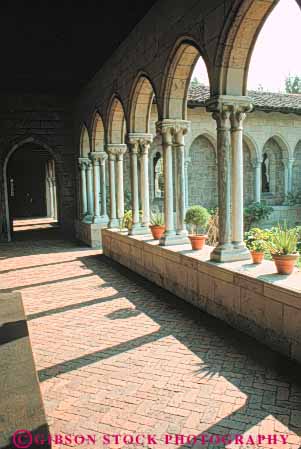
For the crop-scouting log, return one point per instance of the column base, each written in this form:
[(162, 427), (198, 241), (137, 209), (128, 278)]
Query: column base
[(229, 254), (88, 219), (139, 230), (113, 223), (101, 219), (173, 239)]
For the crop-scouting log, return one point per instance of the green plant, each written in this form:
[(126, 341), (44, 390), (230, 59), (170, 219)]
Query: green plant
[(197, 217), (283, 240), (256, 212), (127, 220), (256, 239), (157, 219)]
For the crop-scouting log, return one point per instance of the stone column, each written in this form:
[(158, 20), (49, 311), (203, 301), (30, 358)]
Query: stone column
[(180, 128), (290, 164), (104, 216), (139, 144), (258, 176), (165, 128), (111, 149), (54, 192), (120, 150), (230, 109), (82, 166), (237, 117), (134, 150), (90, 200), (95, 157), (145, 143), (187, 162)]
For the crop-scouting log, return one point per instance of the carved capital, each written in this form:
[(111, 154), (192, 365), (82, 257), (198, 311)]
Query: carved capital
[(229, 106), (98, 157), (173, 130), (116, 150), (222, 119), (82, 162), (139, 141)]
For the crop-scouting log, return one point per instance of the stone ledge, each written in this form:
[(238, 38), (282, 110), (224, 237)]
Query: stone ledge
[(252, 298), (21, 405)]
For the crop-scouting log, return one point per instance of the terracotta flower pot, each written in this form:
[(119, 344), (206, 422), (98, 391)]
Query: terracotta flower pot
[(197, 241), (285, 264), (257, 256), (157, 231)]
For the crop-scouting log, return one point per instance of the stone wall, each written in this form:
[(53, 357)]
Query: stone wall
[(45, 119), (258, 302)]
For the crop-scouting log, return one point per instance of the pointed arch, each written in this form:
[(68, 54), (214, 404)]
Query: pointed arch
[(84, 142), (177, 78), (116, 121), (253, 147), (98, 133), (141, 100)]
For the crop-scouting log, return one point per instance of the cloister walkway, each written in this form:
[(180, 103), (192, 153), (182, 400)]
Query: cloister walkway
[(117, 355)]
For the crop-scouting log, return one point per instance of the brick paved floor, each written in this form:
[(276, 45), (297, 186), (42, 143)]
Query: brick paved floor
[(116, 355)]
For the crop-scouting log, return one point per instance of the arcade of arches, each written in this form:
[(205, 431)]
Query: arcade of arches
[(138, 138)]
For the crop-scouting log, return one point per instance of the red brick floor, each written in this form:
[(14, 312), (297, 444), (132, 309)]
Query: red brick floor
[(116, 355)]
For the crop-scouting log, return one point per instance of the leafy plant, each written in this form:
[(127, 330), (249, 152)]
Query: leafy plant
[(283, 241), (157, 219), (256, 239), (256, 212), (127, 220), (197, 217)]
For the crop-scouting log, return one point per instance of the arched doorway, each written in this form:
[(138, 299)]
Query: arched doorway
[(30, 186)]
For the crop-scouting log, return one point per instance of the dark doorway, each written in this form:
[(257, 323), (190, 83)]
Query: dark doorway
[(31, 184)]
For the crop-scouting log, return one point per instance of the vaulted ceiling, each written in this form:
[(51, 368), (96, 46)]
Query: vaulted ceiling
[(57, 46)]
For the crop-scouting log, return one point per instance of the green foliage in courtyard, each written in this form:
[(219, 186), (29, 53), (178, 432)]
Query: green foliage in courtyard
[(283, 240), (157, 219), (256, 212), (197, 217), (293, 85), (257, 239)]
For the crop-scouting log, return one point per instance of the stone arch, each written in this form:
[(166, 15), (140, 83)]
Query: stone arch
[(296, 178), (202, 172), (250, 156), (276, 154), (116, 123), (237, 41), (17, 145), (141, 100), (98, 133), (84, 142), (177, 78)]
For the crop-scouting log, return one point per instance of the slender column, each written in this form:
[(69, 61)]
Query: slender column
[(104, 215), (144, 158), (187, 162), (82, 165), (134, 150), (170, 234), (290, 165), (54, 198), (96, 184), (258, 175), (230, 109), (224, 184), (111, 149), (120, 185), (181, 127), (237, 117), (50, 185), (89, 179)]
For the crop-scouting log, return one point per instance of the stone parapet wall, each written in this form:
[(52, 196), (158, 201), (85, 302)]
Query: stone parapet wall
[(252, 299)]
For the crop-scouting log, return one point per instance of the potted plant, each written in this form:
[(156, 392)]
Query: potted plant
[(197, 217), (256, 242), (157, 226), (283, 248)]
